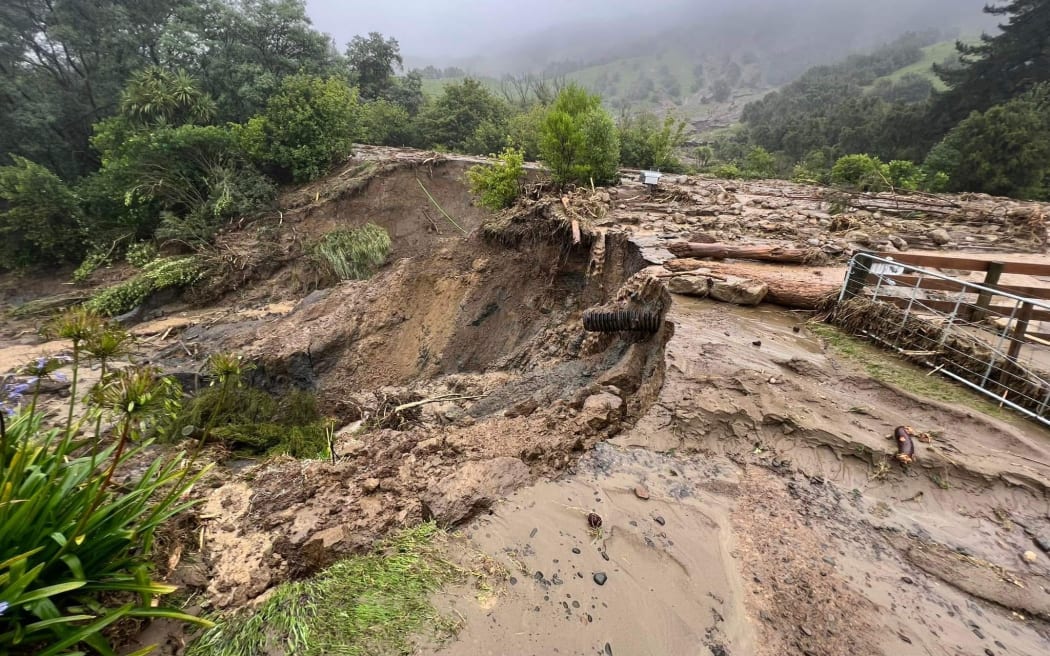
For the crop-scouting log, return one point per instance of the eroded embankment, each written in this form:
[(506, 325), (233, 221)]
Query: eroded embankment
[(487, 340)]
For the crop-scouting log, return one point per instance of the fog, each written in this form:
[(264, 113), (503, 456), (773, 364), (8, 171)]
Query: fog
[(497, 35)]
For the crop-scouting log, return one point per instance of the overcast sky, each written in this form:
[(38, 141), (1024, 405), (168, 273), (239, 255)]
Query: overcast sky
[(458, 28), (446, 30)]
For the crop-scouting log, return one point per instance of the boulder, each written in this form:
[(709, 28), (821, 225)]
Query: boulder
[(474, 486), (899, 243), (939, 236), (690, 285), (600, 410), (740, 291)]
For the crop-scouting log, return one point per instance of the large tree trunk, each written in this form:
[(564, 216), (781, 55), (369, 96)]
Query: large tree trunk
[(793, 288), (763, 253)]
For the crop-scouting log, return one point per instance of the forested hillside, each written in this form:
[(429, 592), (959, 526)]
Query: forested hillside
[(197, 110), (985, 127)]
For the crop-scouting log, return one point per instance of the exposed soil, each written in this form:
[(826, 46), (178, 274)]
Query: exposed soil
[(744, 476)]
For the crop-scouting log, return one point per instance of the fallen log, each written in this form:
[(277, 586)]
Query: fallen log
[(789, 288), (761, 253)]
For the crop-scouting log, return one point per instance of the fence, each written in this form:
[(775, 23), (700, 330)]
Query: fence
[(993, 338)]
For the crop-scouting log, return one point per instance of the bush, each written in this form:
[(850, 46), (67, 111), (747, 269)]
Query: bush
[(523, 131), (905, 175), (498, 185), (308, 126), (467, 117), (647, 142), (385, 123), (141, 254), (813, 169), (760, 163), (187, 178), (75, 551), (160, 274), (727, 172), (250, 421), (354, 254), (861, 171), (39, 221), (579, 141)]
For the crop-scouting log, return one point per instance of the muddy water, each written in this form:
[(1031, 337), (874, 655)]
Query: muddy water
[(782, 531), (670, 586)]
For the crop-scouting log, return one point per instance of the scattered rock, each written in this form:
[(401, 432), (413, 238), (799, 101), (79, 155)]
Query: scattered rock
[(858, 237), (370, 485), (1030, 556), (473, 486), (594, 520), (899, 243), (740, 291), (600, 578), (641, 491), (690, 285), (659, 520), (939, 236), (600, 410)]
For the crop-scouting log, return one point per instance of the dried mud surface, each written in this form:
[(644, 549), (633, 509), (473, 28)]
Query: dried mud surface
[(749, 501)]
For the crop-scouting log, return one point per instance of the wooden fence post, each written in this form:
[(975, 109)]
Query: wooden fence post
[(984, 299)]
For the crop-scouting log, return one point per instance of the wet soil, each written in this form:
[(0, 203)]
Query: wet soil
[(749, 499)]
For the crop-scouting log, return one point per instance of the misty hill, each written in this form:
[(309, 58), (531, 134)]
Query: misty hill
[(707, 61)]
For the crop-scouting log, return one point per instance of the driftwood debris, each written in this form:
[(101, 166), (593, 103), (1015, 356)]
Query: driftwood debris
[(789, 288), (764, 253)]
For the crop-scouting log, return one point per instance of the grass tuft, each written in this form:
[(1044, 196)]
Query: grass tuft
[(370, 604), (898, 372), (354, 254)]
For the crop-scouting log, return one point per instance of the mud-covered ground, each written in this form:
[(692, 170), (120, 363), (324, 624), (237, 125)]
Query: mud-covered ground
[(742, 471)]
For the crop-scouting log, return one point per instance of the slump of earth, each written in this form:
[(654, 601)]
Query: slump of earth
[(740, 465)]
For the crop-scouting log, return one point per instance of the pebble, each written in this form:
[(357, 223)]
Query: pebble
[(641, 491), (908, 580), (1030, 557), (608, 649), (659, 520), (576, 550), (806, 632), (370, 485), (600, 578)]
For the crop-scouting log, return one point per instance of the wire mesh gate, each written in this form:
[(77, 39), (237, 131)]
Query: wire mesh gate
[(992, 338)]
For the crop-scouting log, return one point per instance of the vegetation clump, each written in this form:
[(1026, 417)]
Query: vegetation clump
[(498, 185), (354, 254), (370, 604), (75, 548), (156, 275), (579, 140)]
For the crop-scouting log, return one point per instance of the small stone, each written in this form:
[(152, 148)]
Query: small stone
[(641, 491), (908, 580), (757, 343), (608, 649), (939, 236), (576, 550), (370, 485), (594, 520), (513, 580), (659, 520), (533, 533), (600, 578), (538, 575), (1030, 557), (806, 632), (605, 556), (988, 652)]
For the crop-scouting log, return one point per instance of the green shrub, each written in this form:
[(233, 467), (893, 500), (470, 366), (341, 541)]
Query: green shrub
[(39, 217), (75, 551), (160, 274), (308, 126), (523, 131), (760, 164), (187, 178), (579, 141), (90, 265), (141, 254), (498, 185), (354, 254), (250, 421), (905, 175), (466, 117), (385, 123), (864, 172), (647, 142), (727, 171)]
